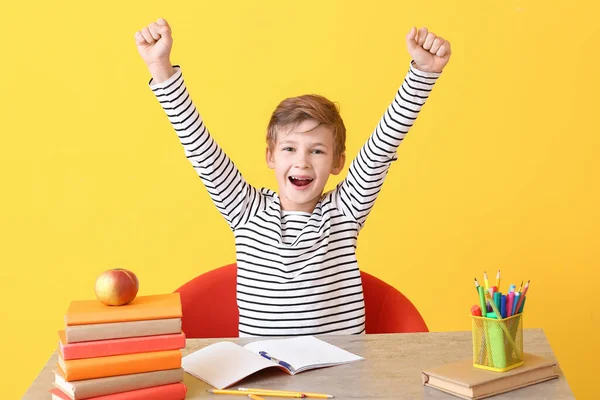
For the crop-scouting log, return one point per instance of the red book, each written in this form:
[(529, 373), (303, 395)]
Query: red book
[(115, 347), (174, 391)]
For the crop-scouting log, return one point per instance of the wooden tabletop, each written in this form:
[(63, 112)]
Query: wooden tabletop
[(391, 369)]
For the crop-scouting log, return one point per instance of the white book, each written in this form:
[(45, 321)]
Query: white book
[(126, 329), (223, 364)]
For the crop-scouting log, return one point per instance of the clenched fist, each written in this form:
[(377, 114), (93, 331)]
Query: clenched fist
[(430, 53), (154, 44)]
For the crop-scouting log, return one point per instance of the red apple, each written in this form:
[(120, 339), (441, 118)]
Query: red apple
[(116, 287)]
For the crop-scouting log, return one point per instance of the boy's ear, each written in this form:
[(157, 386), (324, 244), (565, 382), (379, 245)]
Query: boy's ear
[(339, 165), (269, 158)]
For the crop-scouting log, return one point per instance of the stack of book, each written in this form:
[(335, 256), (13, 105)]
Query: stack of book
[(129, 352)]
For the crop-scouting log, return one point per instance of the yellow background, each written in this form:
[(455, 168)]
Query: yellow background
[(500, 171)]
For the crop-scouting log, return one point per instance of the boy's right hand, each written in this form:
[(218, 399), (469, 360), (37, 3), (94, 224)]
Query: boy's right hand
[(154, 44)]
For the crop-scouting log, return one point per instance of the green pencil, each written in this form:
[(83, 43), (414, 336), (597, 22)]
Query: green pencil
[(503, 326)]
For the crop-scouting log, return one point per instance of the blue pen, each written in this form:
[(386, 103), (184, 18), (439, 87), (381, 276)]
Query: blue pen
[(517, 295), (503, 306), (282, 363)]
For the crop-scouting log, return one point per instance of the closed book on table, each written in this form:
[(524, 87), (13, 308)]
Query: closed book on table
[(463, 380), (100, 367), (117, 330), (87, 388), (114, 347), (160, 306), (175, 391)]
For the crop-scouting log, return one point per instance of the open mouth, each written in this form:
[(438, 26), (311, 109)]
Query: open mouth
[(300, 181)]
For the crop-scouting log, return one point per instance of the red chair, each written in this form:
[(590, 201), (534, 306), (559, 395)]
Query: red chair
[(209, 306), (388, 310)]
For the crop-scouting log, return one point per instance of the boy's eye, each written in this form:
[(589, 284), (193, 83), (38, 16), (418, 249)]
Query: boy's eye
[(317, 151), (288, 149)]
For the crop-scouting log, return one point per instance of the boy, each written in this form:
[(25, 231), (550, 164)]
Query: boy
[(295, 248)]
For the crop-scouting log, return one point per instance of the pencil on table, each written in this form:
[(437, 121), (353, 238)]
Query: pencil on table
[(305, 394), (255, 397), (290, 395)]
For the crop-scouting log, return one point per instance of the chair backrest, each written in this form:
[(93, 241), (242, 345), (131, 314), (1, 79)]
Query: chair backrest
[(210, 310), (209, 304), (387, 310)]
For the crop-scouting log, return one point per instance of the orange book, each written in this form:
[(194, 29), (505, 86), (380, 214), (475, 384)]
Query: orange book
[(159, 306), (100, 367)]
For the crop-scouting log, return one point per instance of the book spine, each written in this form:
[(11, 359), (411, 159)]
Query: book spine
[(174, 391), (88, 312), (85, 389), (57, 394), (117, 330), (89, 368), (114, 347)]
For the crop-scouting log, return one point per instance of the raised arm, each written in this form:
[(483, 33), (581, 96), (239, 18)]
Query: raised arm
[(235, 199), (358, 192)]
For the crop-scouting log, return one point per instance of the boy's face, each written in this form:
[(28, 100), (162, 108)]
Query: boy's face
[(303, 159)]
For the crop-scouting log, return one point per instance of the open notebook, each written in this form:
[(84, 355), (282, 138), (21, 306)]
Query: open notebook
[(224, 363)]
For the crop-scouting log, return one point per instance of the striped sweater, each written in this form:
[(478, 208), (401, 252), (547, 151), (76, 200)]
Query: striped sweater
[(297, 272)]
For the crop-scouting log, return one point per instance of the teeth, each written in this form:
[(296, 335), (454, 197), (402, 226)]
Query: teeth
[(302, 179)]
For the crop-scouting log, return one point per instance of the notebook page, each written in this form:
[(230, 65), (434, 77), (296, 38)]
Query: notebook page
[(224, 363), (304, 352)]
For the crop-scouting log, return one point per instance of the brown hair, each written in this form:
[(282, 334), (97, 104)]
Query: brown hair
[(295, 110)]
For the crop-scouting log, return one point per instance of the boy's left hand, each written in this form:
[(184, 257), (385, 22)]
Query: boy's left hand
[(430, 53)]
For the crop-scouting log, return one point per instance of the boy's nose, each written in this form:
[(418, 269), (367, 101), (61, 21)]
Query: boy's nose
[(301, 162)]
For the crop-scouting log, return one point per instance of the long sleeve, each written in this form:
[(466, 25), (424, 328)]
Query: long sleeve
[(235, 199), (358, 191)]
